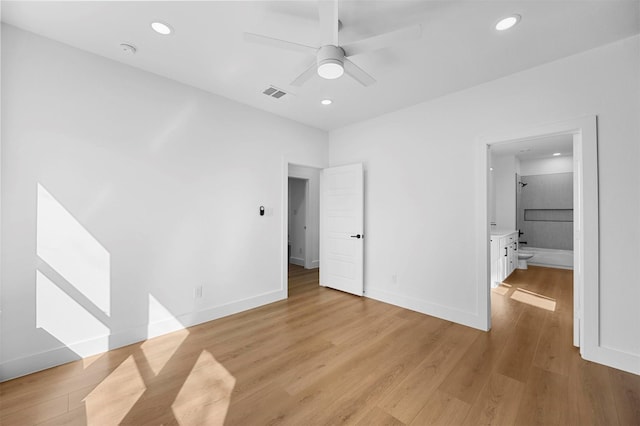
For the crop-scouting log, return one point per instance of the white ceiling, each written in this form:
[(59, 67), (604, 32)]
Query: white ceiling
[(459, 47)]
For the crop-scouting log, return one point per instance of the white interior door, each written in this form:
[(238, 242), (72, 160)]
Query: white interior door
[(342, 228)]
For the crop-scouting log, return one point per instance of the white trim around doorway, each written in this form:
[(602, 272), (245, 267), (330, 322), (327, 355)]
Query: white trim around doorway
[(586, 234)]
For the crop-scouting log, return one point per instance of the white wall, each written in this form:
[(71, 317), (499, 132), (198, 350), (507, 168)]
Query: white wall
[(491, 188), (546, 166), (1, 162), (141, 190), (421, 168), (312, 175), (297, 219), (504, 172)]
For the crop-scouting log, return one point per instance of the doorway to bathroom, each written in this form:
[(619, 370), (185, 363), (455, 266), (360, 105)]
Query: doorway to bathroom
[(531, 185), (531, 202), (580, 134), (538, 175)]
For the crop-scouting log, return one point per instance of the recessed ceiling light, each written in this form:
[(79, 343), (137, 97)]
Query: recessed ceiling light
[(161, 28), (508, 22), (555, 154), (326, 102)]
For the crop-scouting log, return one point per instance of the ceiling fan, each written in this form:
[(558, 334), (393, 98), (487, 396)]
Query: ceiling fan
[(332, 59)]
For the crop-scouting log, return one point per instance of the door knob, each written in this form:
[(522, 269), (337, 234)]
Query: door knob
[(356, 236)]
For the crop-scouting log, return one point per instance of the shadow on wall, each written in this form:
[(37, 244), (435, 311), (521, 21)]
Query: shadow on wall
[(73, 304)]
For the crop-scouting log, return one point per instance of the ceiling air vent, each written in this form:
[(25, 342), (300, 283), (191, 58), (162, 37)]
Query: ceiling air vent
[(274, 92)]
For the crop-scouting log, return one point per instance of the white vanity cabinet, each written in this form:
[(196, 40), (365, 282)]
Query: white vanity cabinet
[(504, 255)]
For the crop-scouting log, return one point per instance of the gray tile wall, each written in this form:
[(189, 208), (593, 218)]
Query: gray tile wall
[(548, 195)]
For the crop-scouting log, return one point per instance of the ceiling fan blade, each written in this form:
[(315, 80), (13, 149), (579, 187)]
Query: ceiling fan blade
[(358, 73), (328, 11), (275, 42), (382, 40), (306, 74)]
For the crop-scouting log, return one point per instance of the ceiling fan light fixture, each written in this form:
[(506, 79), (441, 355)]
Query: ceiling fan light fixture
[(330, 62), (330, 69)]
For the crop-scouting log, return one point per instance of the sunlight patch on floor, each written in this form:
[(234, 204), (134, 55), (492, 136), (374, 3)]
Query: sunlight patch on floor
[(206, 394), (501, 290), (88, 361), (534, 299), (159, 351), (110, 401)]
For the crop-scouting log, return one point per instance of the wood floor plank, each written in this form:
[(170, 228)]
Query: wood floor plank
[(37, 413), (626, 394), (263, 374), (390, 371), (269, 408), (377, 417), (342, 395), (545, 399), (74, 417), (318, 367), (497, 403), (325, 357), (58, 381), (405, 400), (591, 400), (442, 409), (555, 348), (473, 370), (517, 357)]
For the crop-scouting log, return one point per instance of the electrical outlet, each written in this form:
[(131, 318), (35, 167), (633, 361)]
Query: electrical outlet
[(300, 250), (394, 279), (197, 292)]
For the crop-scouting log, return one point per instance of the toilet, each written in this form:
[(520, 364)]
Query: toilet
[(522, 259)]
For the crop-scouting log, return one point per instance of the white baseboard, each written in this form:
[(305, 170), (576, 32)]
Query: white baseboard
[(427, 308), (296, 261), (613, 358), (315, 264), (64, 354)]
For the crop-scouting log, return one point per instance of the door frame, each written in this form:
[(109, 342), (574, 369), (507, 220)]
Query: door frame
[(586, 258)]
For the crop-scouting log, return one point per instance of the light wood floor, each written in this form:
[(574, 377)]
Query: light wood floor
[(325, 357)]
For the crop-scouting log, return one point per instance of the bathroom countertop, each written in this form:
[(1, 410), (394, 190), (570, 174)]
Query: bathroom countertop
[(502, 232)]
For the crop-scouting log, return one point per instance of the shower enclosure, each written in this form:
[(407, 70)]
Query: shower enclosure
[(544, 218)]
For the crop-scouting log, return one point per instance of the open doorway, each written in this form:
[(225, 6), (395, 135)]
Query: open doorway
[(531, 210), (297, 228), (532, 192), (303, 215), (583, 132)]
